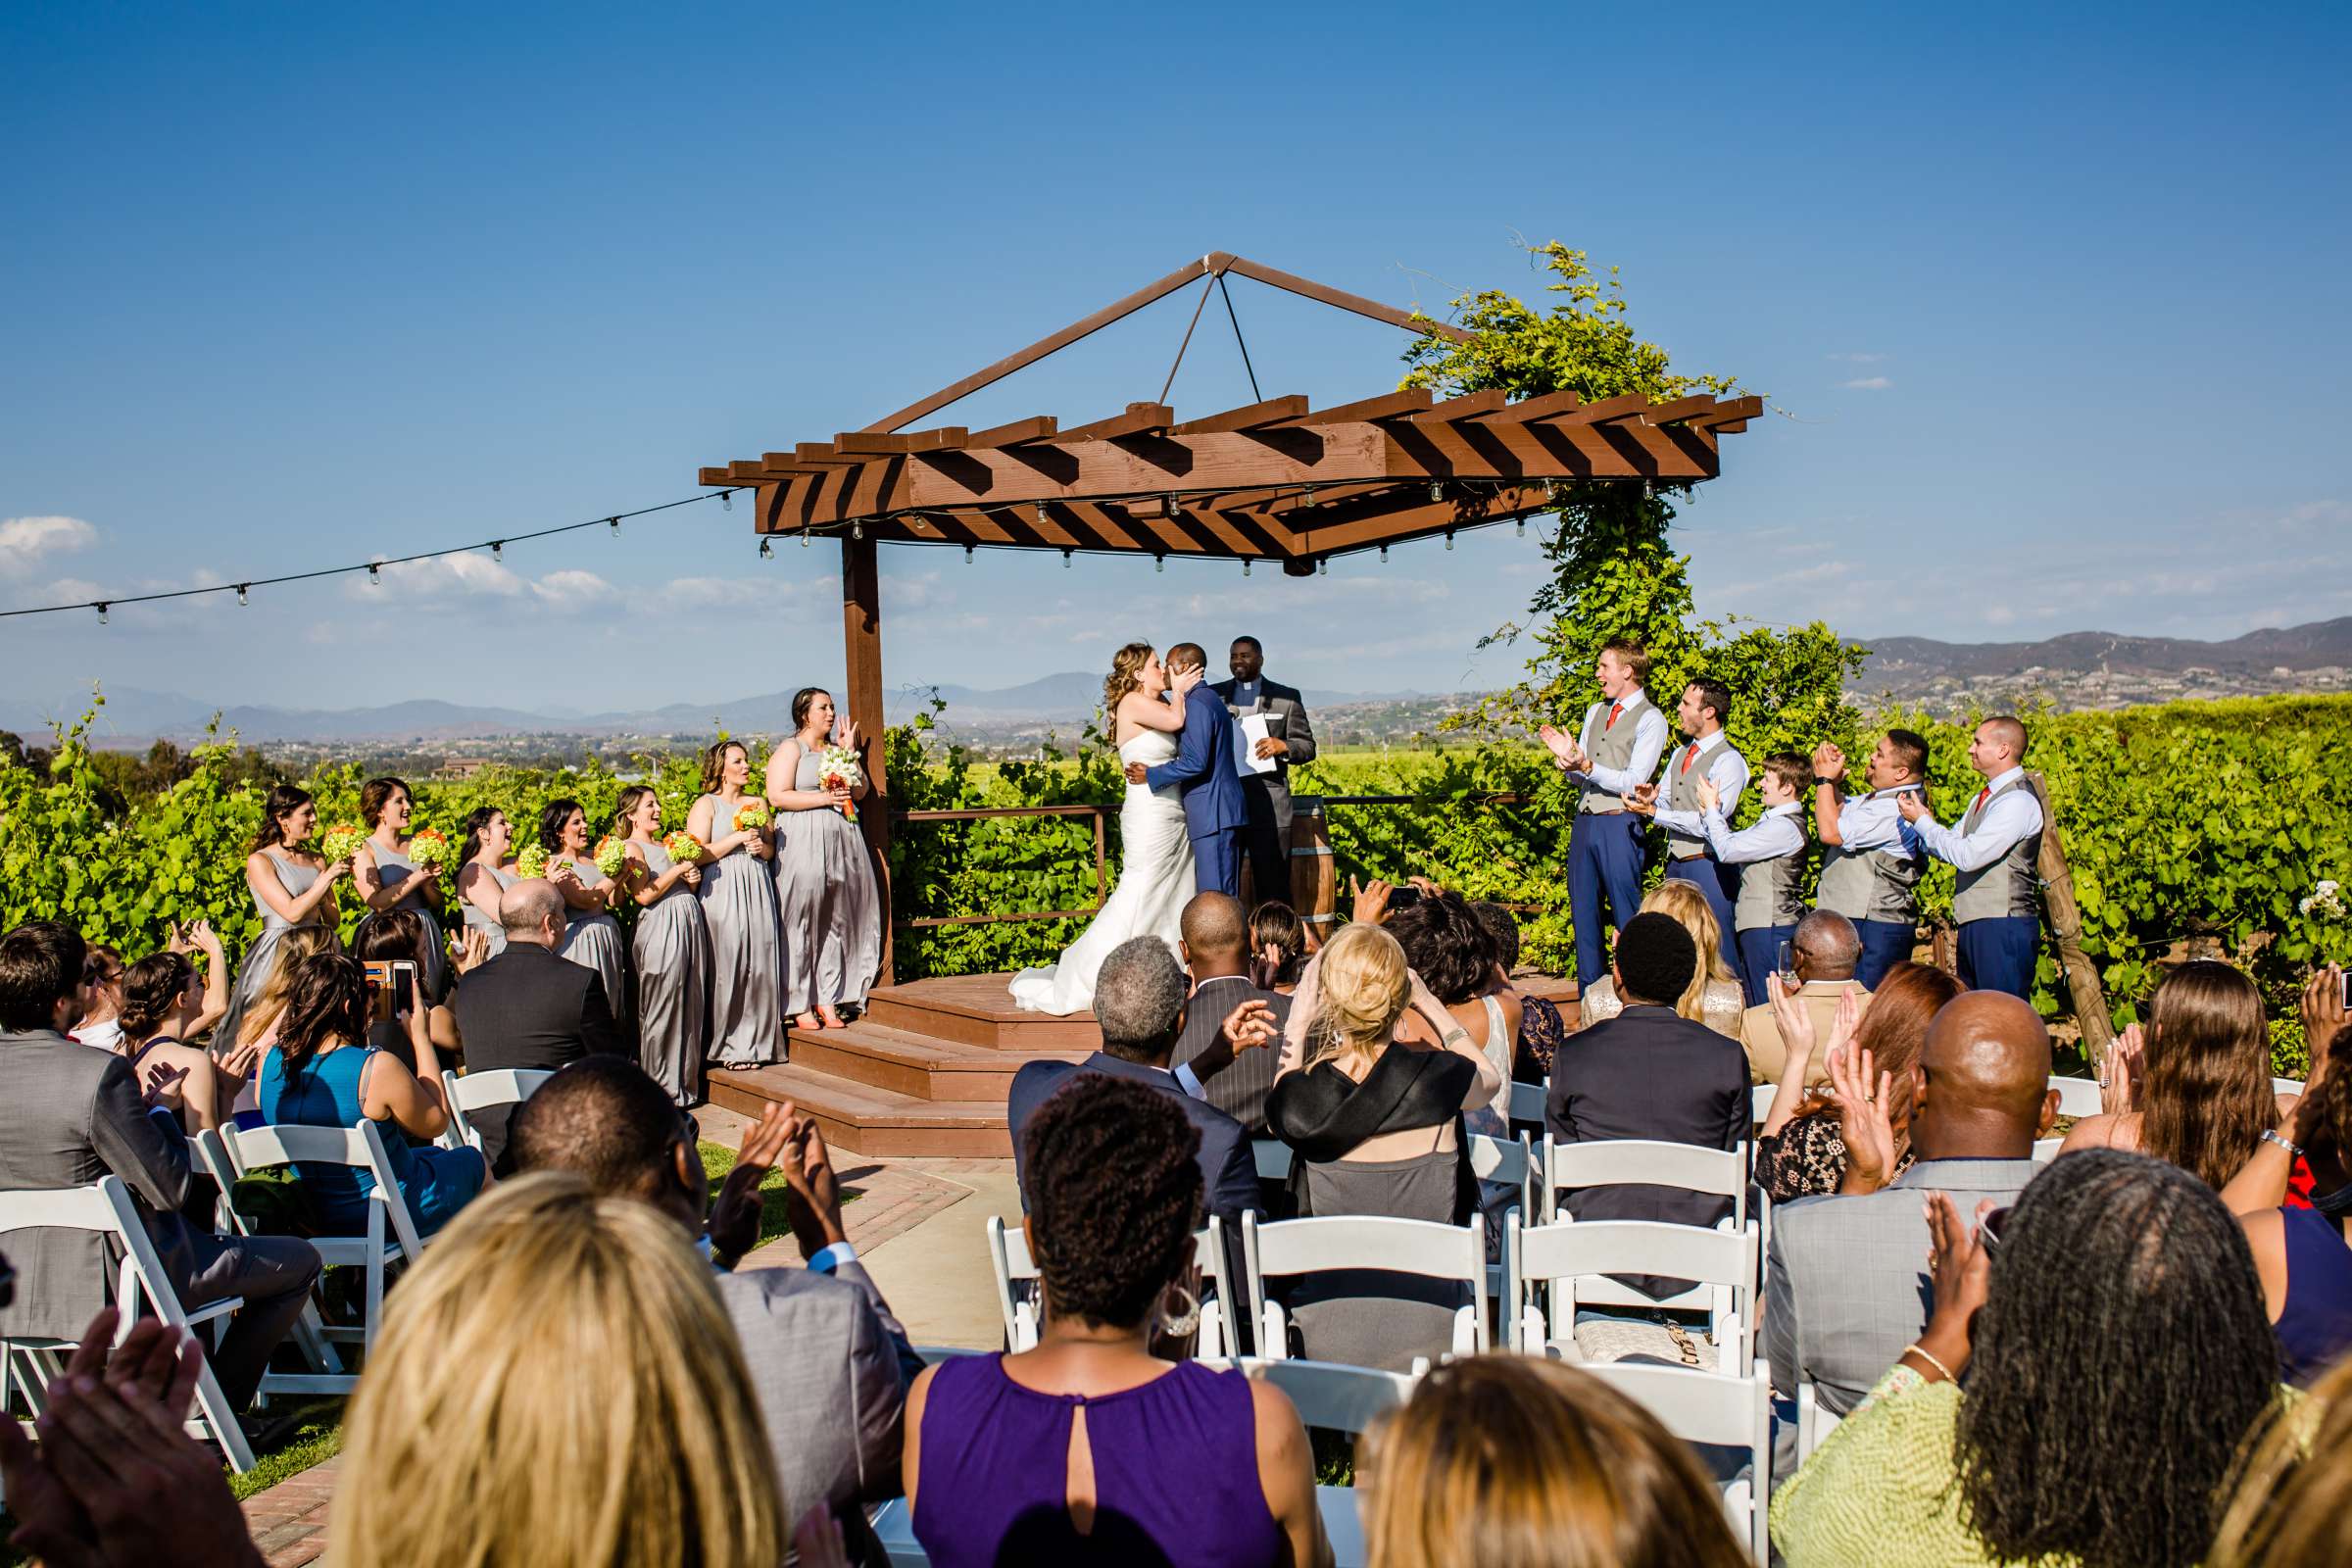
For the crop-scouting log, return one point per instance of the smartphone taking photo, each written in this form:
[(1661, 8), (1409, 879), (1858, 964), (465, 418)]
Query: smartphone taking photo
[(391, 987)]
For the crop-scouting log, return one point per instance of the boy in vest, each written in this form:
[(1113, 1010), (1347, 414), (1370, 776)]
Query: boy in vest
[(1615, 754), (1870, 861), (1705, 758), (1998, 898), (1770, 854)]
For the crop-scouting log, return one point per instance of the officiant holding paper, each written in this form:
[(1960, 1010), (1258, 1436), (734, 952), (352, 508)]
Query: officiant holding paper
[(1272, 735)]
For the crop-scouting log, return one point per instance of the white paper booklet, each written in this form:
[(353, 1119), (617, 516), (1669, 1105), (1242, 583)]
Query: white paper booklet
[(1247, 731)]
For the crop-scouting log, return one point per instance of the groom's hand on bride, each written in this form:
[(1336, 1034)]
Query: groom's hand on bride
[(1135, 773)]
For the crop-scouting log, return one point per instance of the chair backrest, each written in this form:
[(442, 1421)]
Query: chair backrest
[(1273, 1157), (1008, 1256), (1418, 1247), (1724, 1263), (499, 1086), (1644, 1161), (2286, 1086), (360, 1147), (1759, 1101), (104, 1207), (2078, 1097), (1506, 1159), (1710, 1407), (1528, 1101), (1335, 1398), (2047, 1149)]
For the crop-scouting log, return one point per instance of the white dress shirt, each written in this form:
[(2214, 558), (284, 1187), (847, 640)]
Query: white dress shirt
[(1726, 770), (1777, 832), (1999, 827), (1873, 821), (1650, 741)]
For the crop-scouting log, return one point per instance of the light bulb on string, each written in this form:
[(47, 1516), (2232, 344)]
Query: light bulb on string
[(100, 607), (1160, 564), (857, 531), (804, 538), (1449, 538), (1384, 555), (967, 554), (498, 550), (1066, 557), (241, 587), (615, 525), (1520, 532), (375, 575), (767, 552), (1245, 566), (1436, 491), (1323, 567), (726, 499), (1647, 490)]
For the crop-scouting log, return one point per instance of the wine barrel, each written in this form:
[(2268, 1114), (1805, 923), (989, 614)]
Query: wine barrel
[(1314, 876)]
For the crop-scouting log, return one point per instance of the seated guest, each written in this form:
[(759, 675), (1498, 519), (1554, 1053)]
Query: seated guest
[(1140, 1006), (1376, 1121), (1651, 1073), (556, 1383), (2111, 1332), (1446, 946), (2288, 1509), (1540, 1026), (255, 1024), (2305, 1254), (162, 999), (1166, 1462), (100, 1023), (1800, 1150), (397, 936), (1217, 958), (828, 1363), (1825, 951), (529, 1008), (1845, 1279), (1277, 947), (1513, 1459), (74, 1115), (2194, 1087), (1712, 998), (323, 1073)]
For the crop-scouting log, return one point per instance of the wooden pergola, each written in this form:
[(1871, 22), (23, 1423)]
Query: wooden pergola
[(1274, 481)]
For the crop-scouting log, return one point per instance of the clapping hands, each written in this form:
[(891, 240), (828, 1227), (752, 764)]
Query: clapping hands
[(1864, 1122), (2121, 1074), (1565, 752), (1829, 762)]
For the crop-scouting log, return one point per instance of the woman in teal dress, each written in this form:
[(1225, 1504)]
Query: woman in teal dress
[(321, 1073), (292, 886)]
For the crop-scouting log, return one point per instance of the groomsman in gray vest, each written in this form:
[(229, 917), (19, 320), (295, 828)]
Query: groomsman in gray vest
[(1997, 900), (1614, 754), (1706, 758), (1770, 854), (1289, 740), (1869, 859)]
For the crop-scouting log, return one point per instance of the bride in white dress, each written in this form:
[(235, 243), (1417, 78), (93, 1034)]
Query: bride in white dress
[(1156, 876)]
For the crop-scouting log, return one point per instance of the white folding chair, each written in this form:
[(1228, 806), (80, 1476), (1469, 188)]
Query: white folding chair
[(1813, 1424), (1643, 1161), (1506, 1159), (310, 1329), (1759, 1101), (1008, 1256), (2078, 1097), (502, 1086), (2047, 1149), (1337, 1398), (1273, 1157), (1416, 1247), (1571, 1257), (390, 1236), (1528, 1101), (2286, 1086), (1712, 1407), (104, 1207)]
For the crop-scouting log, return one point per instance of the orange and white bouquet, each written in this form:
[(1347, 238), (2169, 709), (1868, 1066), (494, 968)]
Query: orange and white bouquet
[(838, 769)]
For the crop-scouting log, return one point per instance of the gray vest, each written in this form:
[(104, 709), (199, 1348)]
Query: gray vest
[(1613, 746), (1682, 795), (1770, 892), (2009, 886), (1875, 884)]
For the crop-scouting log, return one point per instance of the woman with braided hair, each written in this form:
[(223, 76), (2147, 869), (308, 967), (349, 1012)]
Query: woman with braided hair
[(1115, 1194)]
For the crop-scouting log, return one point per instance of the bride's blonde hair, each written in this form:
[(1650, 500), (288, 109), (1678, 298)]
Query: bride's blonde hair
[(1126, 666), (1362, 986)]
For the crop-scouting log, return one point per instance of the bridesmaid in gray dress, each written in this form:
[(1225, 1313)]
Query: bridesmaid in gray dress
[(825, 879), (482, 873), (291, 887), (591, 936), (739, 906), (672, 949), (387, 879)]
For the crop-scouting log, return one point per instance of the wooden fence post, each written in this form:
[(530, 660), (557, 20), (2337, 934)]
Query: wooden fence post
[(2084, 992)]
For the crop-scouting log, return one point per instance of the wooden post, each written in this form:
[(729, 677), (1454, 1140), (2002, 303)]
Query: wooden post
[(2083, 992), (861, 647)]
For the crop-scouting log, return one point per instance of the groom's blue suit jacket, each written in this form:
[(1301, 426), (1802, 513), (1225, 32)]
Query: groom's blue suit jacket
[(1203, 766)]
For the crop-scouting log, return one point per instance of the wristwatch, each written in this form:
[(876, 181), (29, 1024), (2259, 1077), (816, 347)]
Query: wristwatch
[(2272, 1135)]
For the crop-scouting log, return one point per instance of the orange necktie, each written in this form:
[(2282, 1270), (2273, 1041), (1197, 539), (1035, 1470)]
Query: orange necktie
[(1690, 756), (1613, 707)]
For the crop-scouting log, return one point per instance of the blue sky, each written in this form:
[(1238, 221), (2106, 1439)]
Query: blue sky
[(2051, 300)]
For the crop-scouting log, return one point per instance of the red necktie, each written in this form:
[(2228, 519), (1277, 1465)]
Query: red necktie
[(1613, 707), (1983, 795), (1690, 756)]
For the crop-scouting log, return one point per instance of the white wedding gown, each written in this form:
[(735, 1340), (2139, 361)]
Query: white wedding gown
[(1156, 882)]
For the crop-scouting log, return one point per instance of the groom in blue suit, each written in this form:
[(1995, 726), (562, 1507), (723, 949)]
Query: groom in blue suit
[(1215, 812)]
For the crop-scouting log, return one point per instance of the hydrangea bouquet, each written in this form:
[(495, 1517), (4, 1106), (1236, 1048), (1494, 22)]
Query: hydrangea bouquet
[(428, 849), (610, 854), (753, 813), (532, 862), (341, 841), (682, 847)]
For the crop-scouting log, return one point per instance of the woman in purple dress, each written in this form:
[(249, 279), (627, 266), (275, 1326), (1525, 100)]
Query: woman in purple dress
[(1114, 1192)]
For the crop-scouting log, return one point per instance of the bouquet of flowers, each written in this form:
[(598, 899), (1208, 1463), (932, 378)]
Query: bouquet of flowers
[(610, 854), (341, 841), (2325, 900), (429, 848), (838, 769), (753, 813), (683, 848), (532, 862)]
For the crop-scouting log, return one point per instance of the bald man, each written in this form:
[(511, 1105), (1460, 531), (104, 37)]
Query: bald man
[(1997, 900), (529, 1007), (1827, 951), (1216, 955), (1846, 1282)]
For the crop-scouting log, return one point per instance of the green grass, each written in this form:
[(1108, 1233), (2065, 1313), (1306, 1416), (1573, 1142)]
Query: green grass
[(718, 1160)]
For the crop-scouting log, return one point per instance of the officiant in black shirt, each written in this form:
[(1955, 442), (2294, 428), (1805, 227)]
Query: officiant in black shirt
[(1289, 740)]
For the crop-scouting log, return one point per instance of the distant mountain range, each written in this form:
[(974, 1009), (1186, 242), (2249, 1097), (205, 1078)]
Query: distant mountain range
[(2081, 670)]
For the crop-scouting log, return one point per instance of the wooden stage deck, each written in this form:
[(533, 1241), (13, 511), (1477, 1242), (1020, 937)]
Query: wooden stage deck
[(926, 1070)]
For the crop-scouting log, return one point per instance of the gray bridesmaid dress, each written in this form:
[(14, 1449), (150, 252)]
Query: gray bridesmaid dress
[(747, 953), (831, 911), (672, 947), (592, 939), (435, 973), (476, 921), (262, 960)]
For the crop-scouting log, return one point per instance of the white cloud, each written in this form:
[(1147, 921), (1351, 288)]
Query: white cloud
[(1859, 359), (572, 589), (26, 541), (1867, 383), (442, 577)]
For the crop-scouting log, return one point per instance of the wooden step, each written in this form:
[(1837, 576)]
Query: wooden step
[(925, 1066), (976, 1009), (867, 1120)]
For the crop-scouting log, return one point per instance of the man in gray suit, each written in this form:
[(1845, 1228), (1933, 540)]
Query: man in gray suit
[(829, 1365), (1216, 955), (1847, 1286), (74, 1115), (1289, 740)]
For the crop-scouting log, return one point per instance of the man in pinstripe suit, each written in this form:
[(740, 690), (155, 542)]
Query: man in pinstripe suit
[(1216, 951)]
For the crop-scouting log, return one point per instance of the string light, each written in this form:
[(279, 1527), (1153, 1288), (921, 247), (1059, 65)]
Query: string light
[(1323, 567), (1160, 564), (1520, 532), (1066, 555), (857, 531), (615, 525), (767, 552), (1306, 497), (1245, 566), (803, 537), (967, 554), (1647, 490), (100, 607), (498, 551), (1449, 538), (241, 587), (1384, 555), (1436, 491), (727, 499), (375, 575)]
